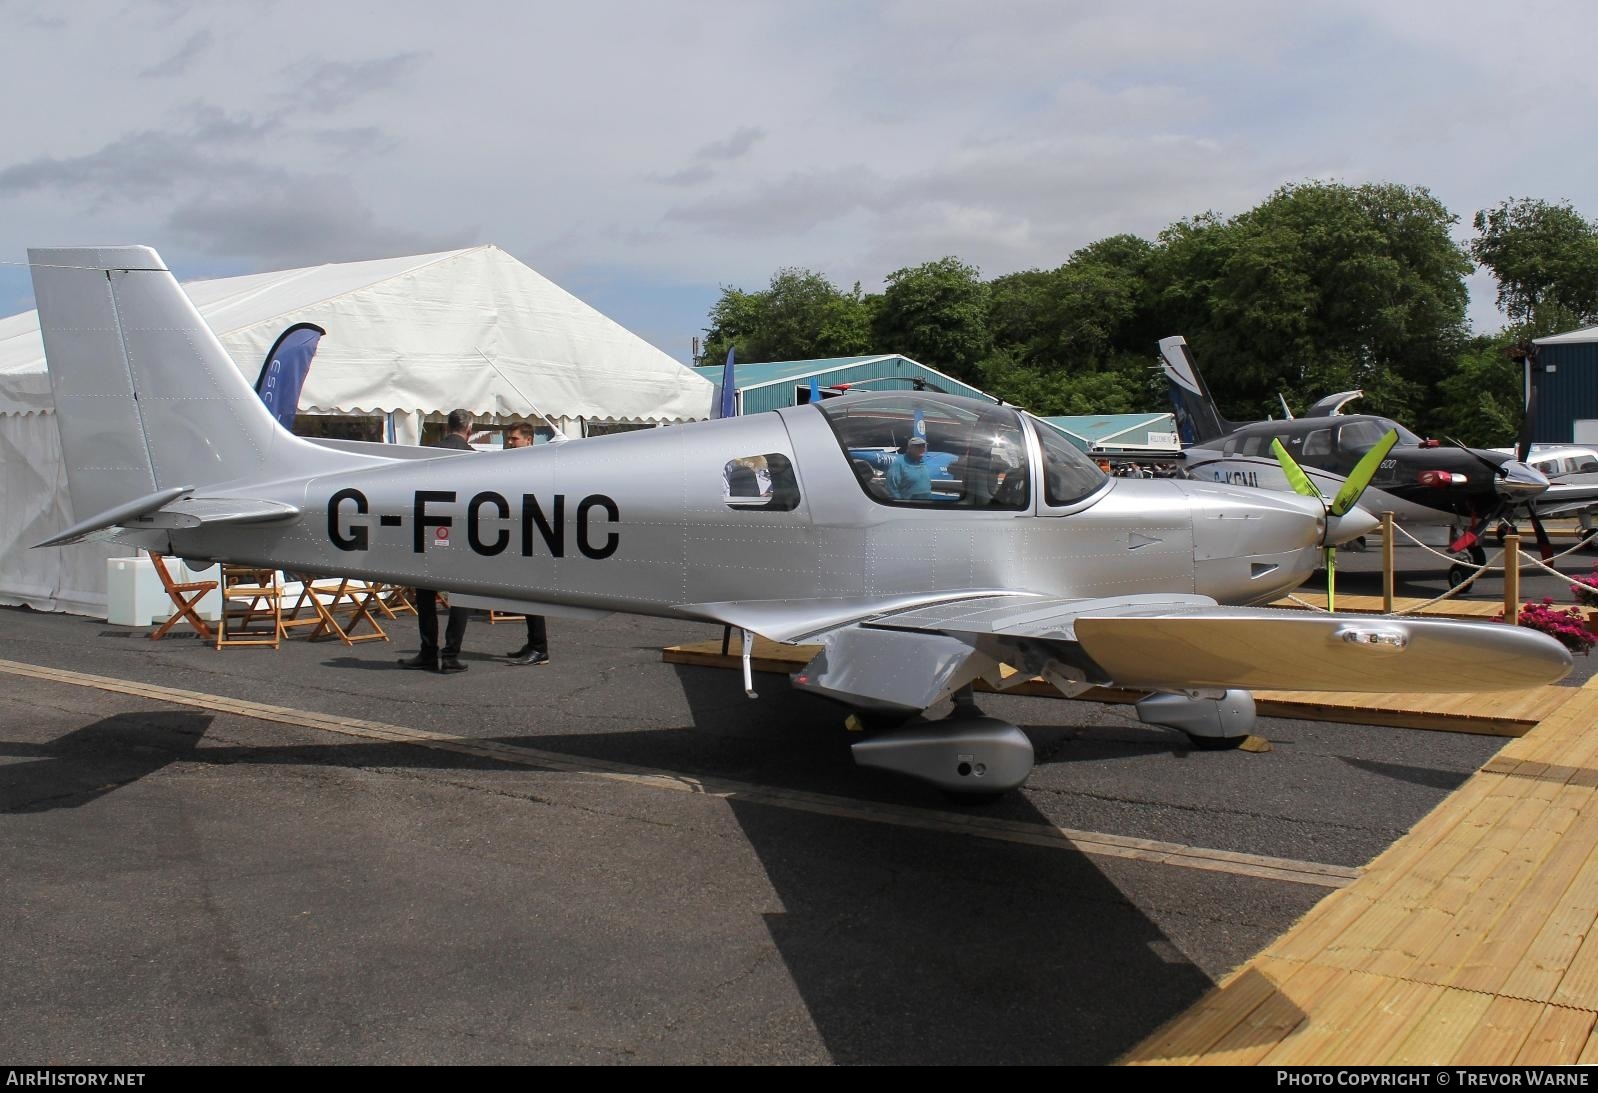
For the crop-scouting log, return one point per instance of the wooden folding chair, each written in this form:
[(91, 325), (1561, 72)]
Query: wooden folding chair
[(308, 601), (257, 589), (355, 600), (185, 596), (393, 600)]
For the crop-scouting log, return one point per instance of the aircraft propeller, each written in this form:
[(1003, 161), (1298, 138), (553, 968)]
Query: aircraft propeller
[(1341, 505), (1510, 501)]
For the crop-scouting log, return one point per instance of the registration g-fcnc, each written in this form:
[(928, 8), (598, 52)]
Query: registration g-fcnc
[(529, 517)]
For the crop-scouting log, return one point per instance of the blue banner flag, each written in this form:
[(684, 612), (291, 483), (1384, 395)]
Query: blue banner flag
[(283, 373), (726, 407), (920, 427), (815, 390)]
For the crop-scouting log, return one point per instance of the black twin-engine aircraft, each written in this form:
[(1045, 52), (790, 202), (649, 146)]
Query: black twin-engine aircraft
[(1424, 483)]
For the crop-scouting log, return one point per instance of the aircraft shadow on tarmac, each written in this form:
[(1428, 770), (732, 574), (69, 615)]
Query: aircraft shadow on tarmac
[(90, 762), (1421, 776), (906, 945), (924, 947)]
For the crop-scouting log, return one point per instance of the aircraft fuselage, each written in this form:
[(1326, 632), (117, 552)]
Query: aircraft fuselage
[(642, 522)]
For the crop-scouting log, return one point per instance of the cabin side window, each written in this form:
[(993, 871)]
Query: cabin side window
[(764, 482)]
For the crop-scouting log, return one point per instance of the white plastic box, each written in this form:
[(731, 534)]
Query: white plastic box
[(134, 596)]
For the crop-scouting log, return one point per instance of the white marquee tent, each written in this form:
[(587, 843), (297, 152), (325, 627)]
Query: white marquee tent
[(406, 337)]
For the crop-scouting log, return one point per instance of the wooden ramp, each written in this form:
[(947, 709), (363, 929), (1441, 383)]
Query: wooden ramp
[(1473, 940), (1402, 605), (1511, 713)]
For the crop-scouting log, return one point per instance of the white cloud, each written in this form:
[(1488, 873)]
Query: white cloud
[(712, 143)]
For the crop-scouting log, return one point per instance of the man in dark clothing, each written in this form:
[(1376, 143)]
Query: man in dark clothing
[(458, 436), (536, 651)]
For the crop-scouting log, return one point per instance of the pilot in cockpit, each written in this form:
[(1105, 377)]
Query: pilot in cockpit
[(910, 477)]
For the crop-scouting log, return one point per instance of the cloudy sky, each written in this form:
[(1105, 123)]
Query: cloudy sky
[(644, 154)]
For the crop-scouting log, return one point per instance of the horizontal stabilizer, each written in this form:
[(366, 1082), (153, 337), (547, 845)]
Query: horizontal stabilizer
[(139, 506), (1332, 405), (168, 510), (1296, 651)]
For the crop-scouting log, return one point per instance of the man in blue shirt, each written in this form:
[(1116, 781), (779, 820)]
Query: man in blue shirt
[(910, 478)]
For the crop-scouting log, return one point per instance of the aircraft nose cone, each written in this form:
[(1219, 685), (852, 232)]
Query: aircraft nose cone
[(1351, 525), (1519, 481)]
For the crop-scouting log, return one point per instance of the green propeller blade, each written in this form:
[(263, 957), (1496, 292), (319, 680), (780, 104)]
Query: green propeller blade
[(1347, 497), (1363, 472), (1295, 474)]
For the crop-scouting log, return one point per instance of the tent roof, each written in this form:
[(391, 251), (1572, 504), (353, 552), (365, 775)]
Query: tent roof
[(413, 334)]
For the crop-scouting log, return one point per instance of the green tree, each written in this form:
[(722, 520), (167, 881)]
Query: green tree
[(1117, 391), (1545, 258), (1080, 317), (1481, 402), (1320, 280), (800, 316), (936, 313)]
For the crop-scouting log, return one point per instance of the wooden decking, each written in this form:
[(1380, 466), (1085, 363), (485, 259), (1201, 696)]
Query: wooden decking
[(1470, 941), (1402, 605)]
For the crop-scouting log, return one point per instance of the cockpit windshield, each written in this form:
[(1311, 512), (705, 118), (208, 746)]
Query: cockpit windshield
[(1357, 437), (910, 448)]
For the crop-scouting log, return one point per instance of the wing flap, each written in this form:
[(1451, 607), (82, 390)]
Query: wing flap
[(798, 620), (1020, 616)]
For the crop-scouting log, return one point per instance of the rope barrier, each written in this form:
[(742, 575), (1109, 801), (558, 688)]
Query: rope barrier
[(1491, 564)]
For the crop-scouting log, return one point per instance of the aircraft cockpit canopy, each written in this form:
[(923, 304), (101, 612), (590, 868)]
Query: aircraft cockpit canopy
[(1361, 436), (922, 450)]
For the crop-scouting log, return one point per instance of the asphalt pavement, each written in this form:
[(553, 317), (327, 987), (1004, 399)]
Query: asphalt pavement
[(312, 855)]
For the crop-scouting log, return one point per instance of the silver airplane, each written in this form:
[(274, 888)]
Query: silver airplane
[(1021, 558)]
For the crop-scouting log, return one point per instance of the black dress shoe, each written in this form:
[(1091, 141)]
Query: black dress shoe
[(450, 664), (522, 652), (424, 661), (531, 656)]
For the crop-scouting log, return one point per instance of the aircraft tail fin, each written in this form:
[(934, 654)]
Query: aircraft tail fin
[(146, 398), (1197, 419)]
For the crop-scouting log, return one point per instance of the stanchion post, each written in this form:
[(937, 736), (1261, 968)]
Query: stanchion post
[(1387, 563), (1512, 578)]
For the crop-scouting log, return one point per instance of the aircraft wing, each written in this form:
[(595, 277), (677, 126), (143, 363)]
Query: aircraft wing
[(1167, 643), (1567, 498)]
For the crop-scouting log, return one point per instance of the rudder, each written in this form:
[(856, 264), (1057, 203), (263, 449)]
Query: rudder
[(1197, 419), (146, 398)]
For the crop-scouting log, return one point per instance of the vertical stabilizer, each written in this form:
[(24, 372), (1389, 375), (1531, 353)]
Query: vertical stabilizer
[(1197, 419), (146, 398)]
